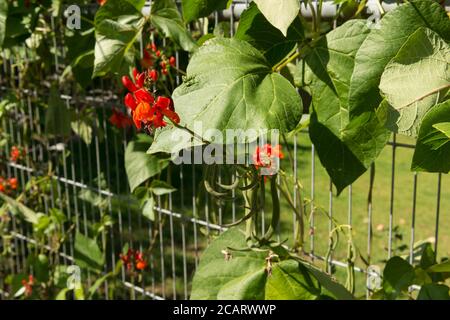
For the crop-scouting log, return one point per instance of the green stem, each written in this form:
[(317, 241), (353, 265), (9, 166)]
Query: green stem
[(283, 64)]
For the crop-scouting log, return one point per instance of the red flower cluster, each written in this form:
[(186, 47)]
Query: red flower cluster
[(119, 119), (28, 284), (151, 55), (7, 185), (143, 105), (265, 156), (134, 258), (16, 154)]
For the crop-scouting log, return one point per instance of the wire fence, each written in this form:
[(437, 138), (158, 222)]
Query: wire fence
[(90, 184)]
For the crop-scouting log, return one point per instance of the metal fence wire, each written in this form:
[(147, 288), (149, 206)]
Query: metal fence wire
[(89, 184)]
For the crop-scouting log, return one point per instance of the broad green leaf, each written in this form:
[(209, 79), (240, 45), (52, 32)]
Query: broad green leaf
[(194, 9), (117, 26), (279, 13), (443, 267), (20, 23), (398, 275), (230, 85), (434, 291), (160, 188), (81, 55), (28, 214), (139, 165), (330, 287), (83, 129), (58, 116), (384, 43), (166, 17), (62, 295), (148, 210), (87, 253), (345, 148), (3, 17), (443, 127), (432, 151), (171, 140), (244, 275), (291, 281), (416, 79), (256, 30), (428, 257), (247, 287), (214, 272)]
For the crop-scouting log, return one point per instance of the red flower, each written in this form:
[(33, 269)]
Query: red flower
[(13, 183), (28, 285), (15, 154), (134, 258), (265, 156), (6, 186), (146, 61), (119, 119), (172, 61), (142, 113), (101, 2), (153, 74), (142, 102), (141, 265)]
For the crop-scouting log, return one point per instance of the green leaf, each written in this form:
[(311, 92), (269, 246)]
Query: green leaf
[(87, 253), (139, 165), (398, 275), (428, 257), (20, 23), (230, 85), (194, 9), (244, 274), (214, 272), (117, 26), (83, 129), (98, 283), (279, 13), (432, 151), (247, 287), (443, 267), (160, 188), (256, 30), (330, 287), (81, 55), (3, 17), (384, 43), (28, 214), (58, 116), (443, 127), (171, 140), (148, 210), (291, 281), (415, 80), (346, 148), (434, 291), (166, 17), (62, 295)]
